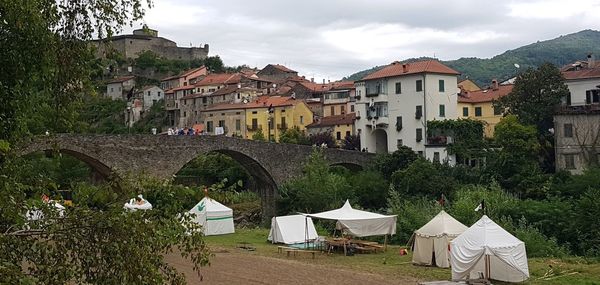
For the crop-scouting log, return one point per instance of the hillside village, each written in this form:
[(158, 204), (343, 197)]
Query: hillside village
[(387, 108)]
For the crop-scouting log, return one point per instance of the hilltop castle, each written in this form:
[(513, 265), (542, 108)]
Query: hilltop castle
[(147, 39)]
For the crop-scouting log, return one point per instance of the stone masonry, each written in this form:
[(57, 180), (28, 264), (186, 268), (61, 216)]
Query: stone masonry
[(270, 164)]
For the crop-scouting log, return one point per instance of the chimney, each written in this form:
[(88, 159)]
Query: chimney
[(405, 67), (591, 60), (494, 84), (323, 80), (312, 79)]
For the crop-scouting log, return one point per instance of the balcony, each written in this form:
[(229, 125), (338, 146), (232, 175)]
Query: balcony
[(282, 126), (253, 128), (373, 91), (593, 108), (438, 140)]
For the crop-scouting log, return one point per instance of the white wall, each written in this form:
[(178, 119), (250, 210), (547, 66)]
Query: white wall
[(578, 88), (114, 91), (404, 105), (151, 95)]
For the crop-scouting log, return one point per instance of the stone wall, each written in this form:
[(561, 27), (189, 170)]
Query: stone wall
[(130, 46)]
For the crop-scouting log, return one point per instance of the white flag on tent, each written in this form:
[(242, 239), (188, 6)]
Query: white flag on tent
[(481, 206)]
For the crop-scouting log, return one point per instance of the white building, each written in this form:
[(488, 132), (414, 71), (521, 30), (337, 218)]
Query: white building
[(577, 120), (150, 95), (118, 88), (394, 104)]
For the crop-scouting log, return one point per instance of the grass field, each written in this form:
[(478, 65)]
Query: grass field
[(391, 264)]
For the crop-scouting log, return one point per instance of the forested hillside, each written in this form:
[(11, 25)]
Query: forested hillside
[(559, 51)]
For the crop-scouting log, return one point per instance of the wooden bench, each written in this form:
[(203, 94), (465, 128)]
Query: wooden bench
[(280, 249), (295, 251)]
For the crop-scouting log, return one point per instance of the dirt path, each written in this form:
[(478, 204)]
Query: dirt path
[(239, 268)]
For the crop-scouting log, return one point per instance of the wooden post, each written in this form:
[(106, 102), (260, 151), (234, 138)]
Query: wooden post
[(385, 244)]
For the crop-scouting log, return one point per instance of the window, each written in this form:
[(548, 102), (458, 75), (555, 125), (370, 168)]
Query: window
[(254, 112), (195, 112), (282, 111), (301, 119), (184, 114), (158, 94), (398, 88), (238, 95), (332, 111), (112, 90), (185, 102), (238, 125), (209, 126), (569, 161), (568, 130), (351, 108), (497, 110), (419, 134), (419, 85), (399, 143), (592, 96), (477, 111), (148, 93), (569, 99), (465, 111), (441, 84), (442, 110), (347, 133), (254, 124), (283, 124), (343, 109), (338, 135), (418, 112), (420, 152), (436, 156), (204, 100), (221, 123), (399, 123)]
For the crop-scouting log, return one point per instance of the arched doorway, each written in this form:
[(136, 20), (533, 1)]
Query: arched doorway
[(381, 141)]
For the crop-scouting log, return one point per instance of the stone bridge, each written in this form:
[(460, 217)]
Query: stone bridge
[(270, 164)]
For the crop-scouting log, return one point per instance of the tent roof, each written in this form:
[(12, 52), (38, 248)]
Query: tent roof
[(441, 224), (292, 229), (485, 233), (210, 205), (346, 212)]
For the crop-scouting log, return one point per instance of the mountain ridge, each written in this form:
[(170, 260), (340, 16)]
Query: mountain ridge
[(559, 51)]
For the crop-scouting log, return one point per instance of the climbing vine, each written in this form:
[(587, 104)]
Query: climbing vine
[(467, 136)]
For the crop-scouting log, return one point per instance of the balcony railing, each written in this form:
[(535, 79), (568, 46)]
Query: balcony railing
[(372, 91), (580, 109), (254, 128), (439, 140)]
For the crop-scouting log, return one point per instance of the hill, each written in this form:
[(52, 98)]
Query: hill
[(559, 51)]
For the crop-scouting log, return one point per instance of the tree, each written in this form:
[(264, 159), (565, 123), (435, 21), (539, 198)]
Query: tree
[(316, 190), (322, 138), (423, 178), (47, 64), (258, 136), (351, 142), (294, 135), (533, 99), (388, 163), (155, 117)]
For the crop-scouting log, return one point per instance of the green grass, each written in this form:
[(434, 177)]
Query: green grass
[(391, 264)]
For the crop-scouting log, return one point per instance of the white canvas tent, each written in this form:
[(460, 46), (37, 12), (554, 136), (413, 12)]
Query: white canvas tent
[(292, 229), (214, 217), (359, 223), (433, 239), (487, 248)]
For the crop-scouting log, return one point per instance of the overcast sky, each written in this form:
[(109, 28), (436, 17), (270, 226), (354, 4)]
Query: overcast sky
[(334, 38)]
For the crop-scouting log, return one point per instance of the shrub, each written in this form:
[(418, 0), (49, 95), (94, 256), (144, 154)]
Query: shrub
[(423, 178), (412, 213)]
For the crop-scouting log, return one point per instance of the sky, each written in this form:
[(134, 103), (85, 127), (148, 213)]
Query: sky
[(330, 39)]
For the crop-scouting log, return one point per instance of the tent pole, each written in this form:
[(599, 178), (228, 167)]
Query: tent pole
[(487, 267), (385, 244)]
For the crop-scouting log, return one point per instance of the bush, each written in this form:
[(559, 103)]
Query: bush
[(412, 214), (536, 243), (423, 178), (388, 163), (498, 203)]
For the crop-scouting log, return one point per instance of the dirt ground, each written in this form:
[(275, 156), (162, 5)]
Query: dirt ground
[(240, 268)]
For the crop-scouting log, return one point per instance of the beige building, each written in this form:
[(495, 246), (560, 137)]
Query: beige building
[(478, 105), (230, 117)]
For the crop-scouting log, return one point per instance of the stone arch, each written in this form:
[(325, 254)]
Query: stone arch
[(263, 183), (381, 141), (349, 165), (95, 164)]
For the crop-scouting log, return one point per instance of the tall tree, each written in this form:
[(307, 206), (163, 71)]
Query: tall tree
[(535, 95)]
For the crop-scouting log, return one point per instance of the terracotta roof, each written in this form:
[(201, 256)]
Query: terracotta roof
[(183, 88), (184, 74), (220, 78), (121, 79), (315, 87), (398, 69), (581, 70), (486, 95), (338, 85), (260, 102), (346, 119), (282, 68)]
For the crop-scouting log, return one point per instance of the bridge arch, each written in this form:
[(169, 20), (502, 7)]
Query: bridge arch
[(94, 163)]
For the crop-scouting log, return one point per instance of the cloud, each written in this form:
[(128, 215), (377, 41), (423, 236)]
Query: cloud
[(334, 38)]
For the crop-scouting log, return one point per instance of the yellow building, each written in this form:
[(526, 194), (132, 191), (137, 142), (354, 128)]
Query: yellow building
[(478, 105), (340, 126), (287, 112), (468, 85)]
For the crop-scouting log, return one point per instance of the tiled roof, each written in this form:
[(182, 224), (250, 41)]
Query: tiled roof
[(183, 88), (399, 69), (338, 85), (487, 95), (184, 74), (260, 102), (220, 78), (581, 70), (282, 68), (121, 79), (315, 86), (346, 119)]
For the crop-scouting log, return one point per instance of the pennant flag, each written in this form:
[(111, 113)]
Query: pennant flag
[(481, 206)]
